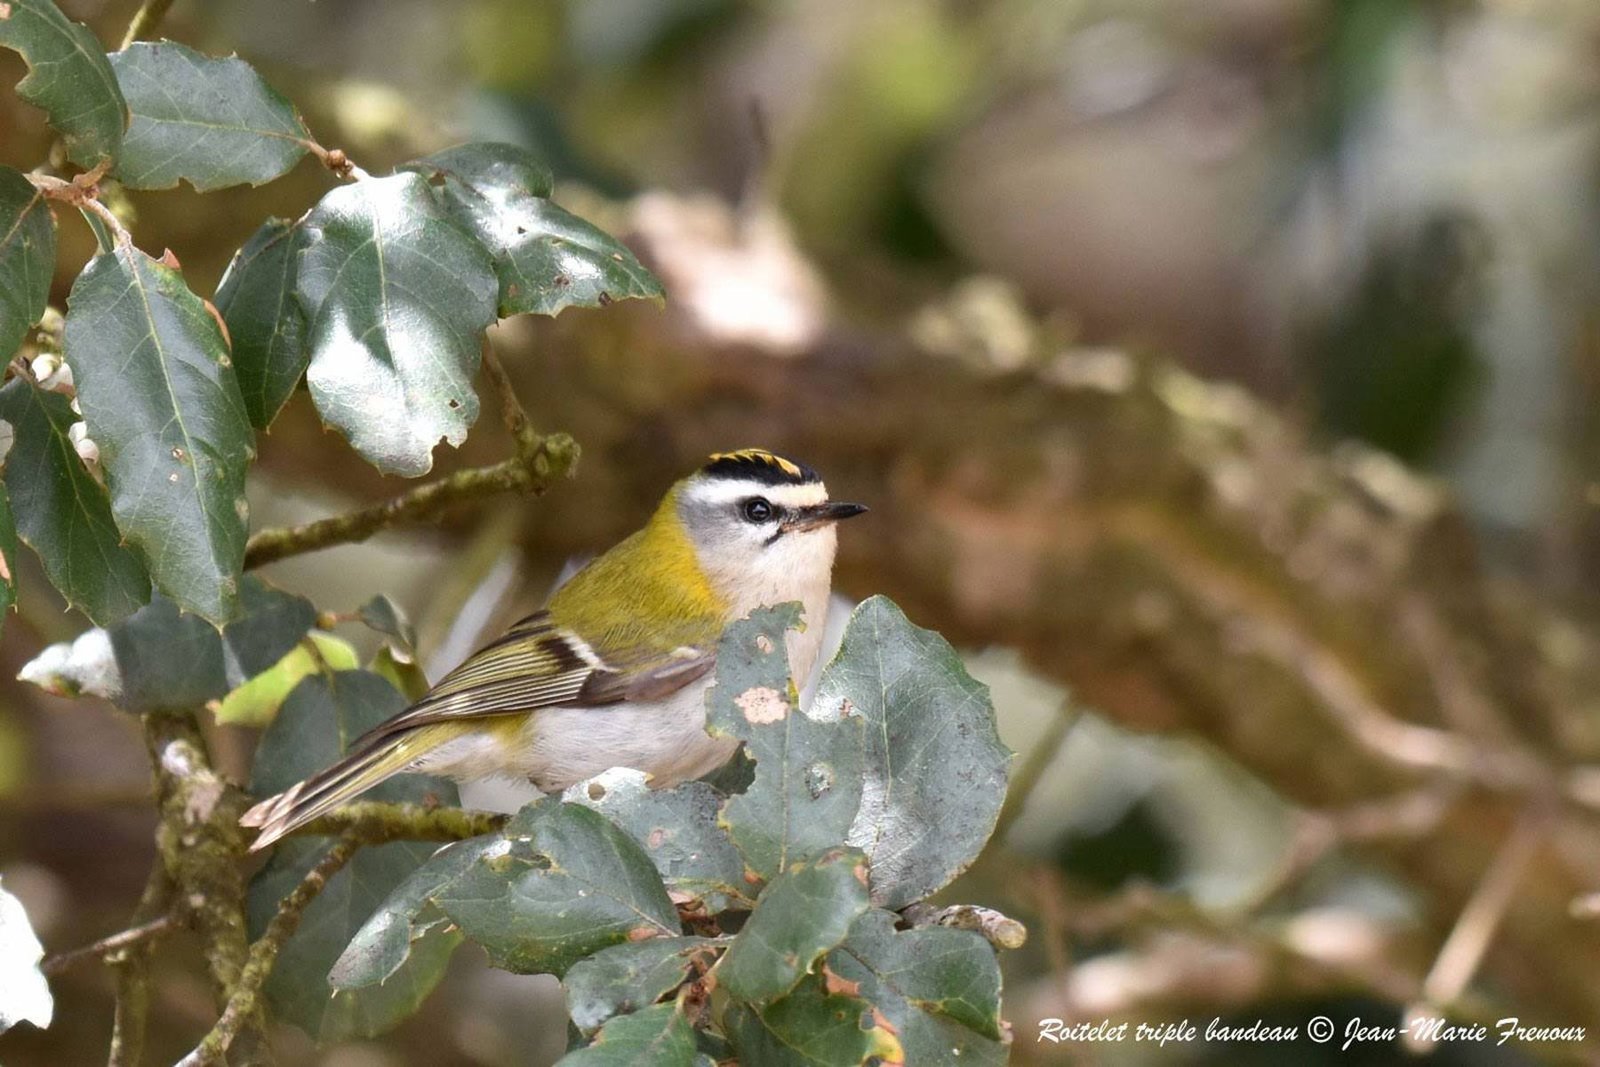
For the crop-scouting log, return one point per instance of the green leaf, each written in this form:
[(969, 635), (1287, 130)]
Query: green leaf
[(62, 513), (560, 884), (160, 399), (398, 297), (801, 914), (211, 122), (69, 78), (159, 657), (677, 829), (546, 258), (384, 615), (265, 321), (659, 1036), (315, 726), (27, 258), (935, 771), (400, 671), (24, 994), (812, 1028), (939, 989), (8, 556), (807, 783), (256, 701), (628, 978)]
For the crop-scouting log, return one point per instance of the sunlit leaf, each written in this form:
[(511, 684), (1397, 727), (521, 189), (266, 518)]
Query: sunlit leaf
[(160, 399), (265, 321), (27, 258), (934, 774), (807, 783), (62, 513), (546, 257), (212, 122), (68, 77), (255, 702), (398, 297)]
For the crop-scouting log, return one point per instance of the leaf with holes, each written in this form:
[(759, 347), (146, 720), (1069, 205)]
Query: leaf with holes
[(939, 989), (678, 830), (161, 401), (627, 978), (27, 258), (659, 1036), (212, 122), (314, 727), (62, 513), (802, 913), (560, 884), (265, 321), (546, 257), (69, 78), (934, 774), (398, 297), (807, 783)]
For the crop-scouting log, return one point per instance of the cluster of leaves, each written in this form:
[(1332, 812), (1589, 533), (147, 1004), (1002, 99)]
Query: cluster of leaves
[(378, 297)]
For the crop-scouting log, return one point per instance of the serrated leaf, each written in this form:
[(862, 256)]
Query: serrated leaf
[(315, 726), (677, 828), (24, 994), (546, 258), (659, 1036), (812, 1028), (257, 700), (384, 615), (212, 122), (560, 884), (62, 513), (801, 914), (807, 782), (398, 297), (8, 556), (69, 78), (160, 399), (265, 322), (939, 989), (159, 657), (934, 774), (27, 258), (629, 978)]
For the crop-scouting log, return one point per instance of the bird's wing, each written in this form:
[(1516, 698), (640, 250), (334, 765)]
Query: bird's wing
[(538, 664)]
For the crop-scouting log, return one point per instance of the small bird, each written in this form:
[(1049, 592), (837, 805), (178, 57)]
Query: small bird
[(613, 673)]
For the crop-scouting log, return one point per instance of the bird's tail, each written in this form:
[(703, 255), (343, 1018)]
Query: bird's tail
[(327, 789)]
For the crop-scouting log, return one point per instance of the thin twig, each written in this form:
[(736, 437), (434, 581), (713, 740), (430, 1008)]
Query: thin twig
[(245, 1001), (81, 193), (1027, 776), (145, 20), (1463, 950), (532, 471), (374, 822), (512, 412), (131, 968), (113, 943)]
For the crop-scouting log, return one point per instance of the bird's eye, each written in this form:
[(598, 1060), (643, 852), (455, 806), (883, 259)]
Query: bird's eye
[(758, 509)]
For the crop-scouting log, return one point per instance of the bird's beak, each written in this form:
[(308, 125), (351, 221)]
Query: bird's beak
[(821, 514)]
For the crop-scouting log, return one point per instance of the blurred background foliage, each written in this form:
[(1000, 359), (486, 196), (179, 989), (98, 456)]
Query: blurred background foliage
[(1382, 217)]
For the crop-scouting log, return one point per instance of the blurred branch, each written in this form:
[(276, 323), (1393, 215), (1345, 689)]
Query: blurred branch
[(538, 463), (244, 1003), (131, 968), (145, 20), (112, 944), (374, 822)]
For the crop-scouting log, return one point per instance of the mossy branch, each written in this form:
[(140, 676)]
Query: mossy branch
[(375, 823)]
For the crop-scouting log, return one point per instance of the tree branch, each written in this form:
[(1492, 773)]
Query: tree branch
[(111, 944), (535, 467), (131, 969), (145, 20), (245, 1002), (374, 822)]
